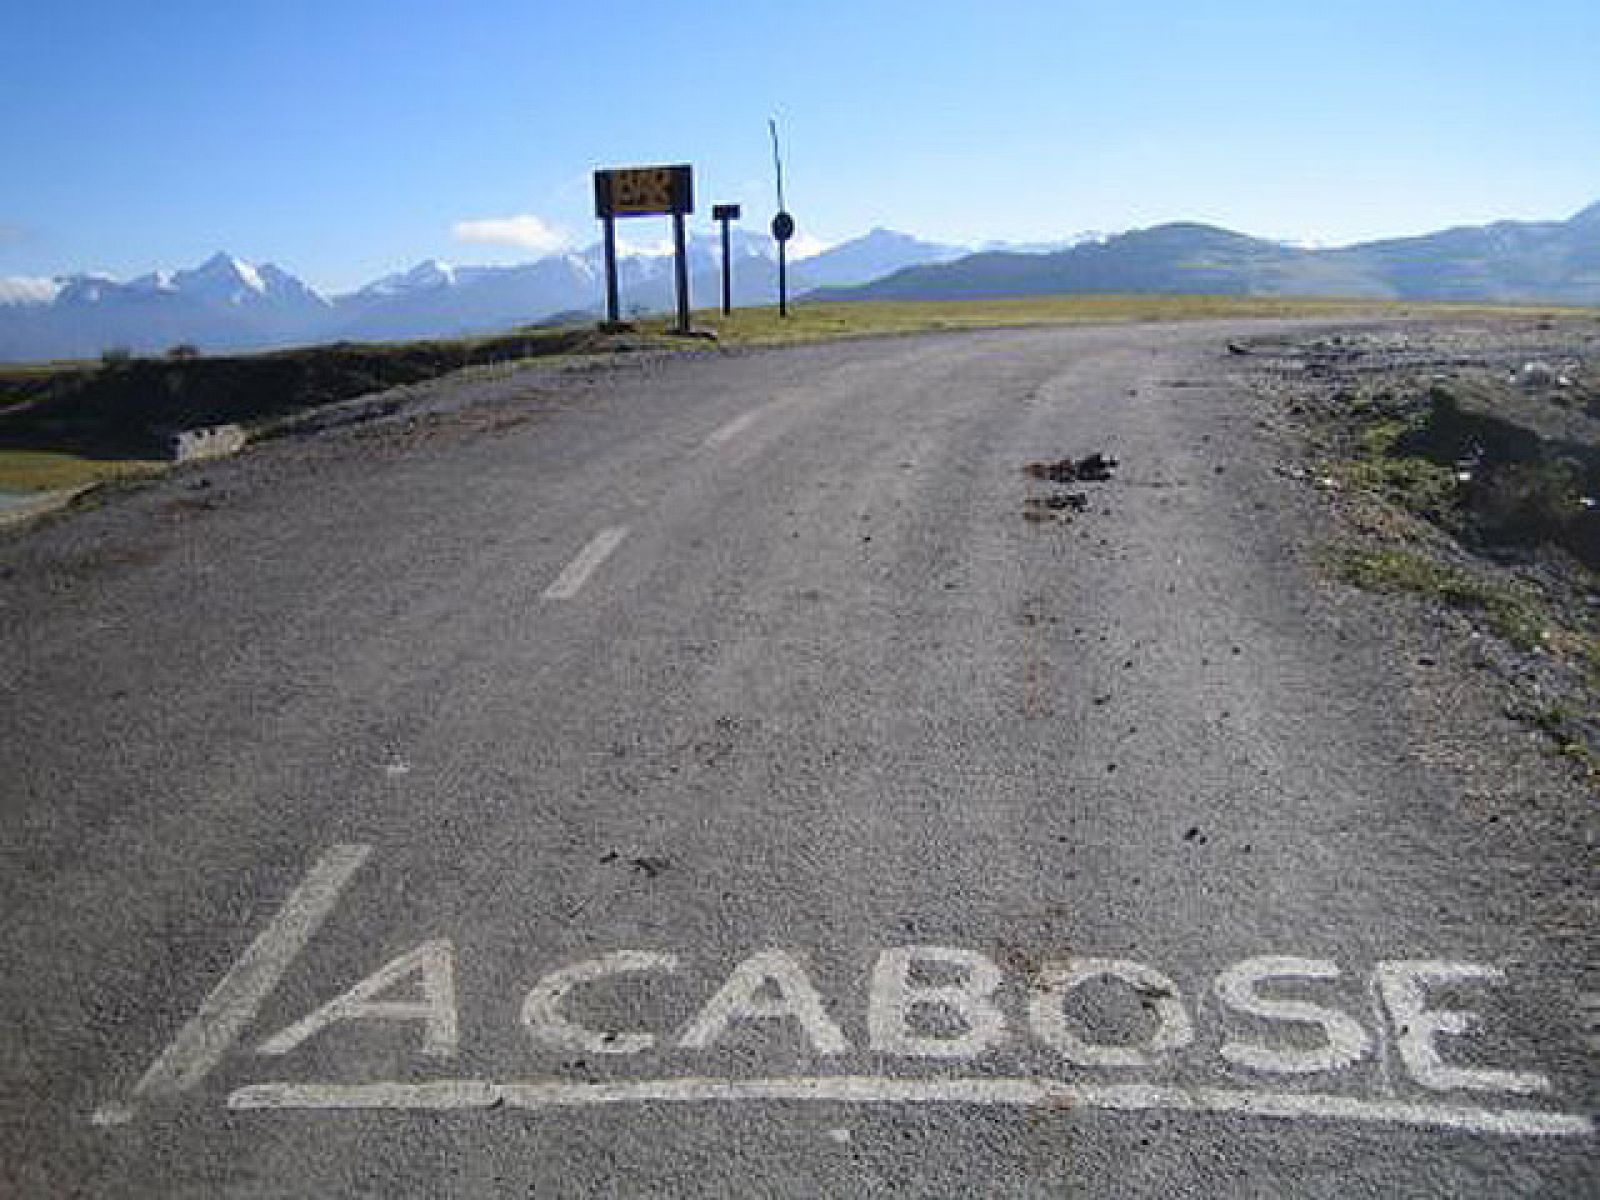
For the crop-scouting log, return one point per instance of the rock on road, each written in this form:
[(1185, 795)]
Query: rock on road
[(699, 776)]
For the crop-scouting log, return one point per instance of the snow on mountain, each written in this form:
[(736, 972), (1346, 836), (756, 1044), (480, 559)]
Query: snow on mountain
[(222, 278), (285, 289), (227, 303), (21, 290), (423, 276), (154, 281), (874, 254), (224, 303), (1086, 238)]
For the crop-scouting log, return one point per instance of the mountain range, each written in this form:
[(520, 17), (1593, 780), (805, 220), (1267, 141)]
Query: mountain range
[(1507, 262), (228, 304)]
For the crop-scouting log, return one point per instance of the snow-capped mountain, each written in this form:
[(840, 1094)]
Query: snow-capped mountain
[(874, 254), (223, 303), (437, 298), (226, 303)]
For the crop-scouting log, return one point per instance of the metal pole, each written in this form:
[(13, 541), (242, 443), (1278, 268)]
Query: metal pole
[(783, 279), (613, 303), (680, 246), (727, 270)]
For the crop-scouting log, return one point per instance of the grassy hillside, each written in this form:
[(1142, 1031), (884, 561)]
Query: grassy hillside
[(1509, 262)]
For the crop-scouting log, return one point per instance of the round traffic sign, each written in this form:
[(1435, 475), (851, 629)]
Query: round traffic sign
[(783, 227)]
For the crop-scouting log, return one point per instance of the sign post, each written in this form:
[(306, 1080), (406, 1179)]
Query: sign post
[(782, 231), (725, 213), (782, 225), (613, 304), (645, 192)]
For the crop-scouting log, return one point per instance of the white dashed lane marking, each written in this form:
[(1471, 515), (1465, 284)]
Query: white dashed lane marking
[(726, 433), (570, 582)]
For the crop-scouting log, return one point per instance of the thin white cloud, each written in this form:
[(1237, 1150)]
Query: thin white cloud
[(25, 289), (525, 231)]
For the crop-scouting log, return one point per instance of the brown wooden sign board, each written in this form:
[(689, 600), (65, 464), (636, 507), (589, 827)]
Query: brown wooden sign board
[(644, 192)]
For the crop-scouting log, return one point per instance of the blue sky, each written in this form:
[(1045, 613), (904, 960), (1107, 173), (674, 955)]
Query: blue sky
[(348, 138)]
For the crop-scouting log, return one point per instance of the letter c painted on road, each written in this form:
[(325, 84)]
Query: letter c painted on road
[(541, 1012)]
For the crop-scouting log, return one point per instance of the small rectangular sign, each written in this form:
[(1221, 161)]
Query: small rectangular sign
[(644, 191), (725, 212)]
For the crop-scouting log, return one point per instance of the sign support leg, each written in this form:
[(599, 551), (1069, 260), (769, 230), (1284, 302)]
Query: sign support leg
[(681, 256), (613, 304), (783, 280), (727, 271)]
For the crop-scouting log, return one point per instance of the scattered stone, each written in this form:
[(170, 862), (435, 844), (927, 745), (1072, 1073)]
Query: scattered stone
[(1534, 375), (1094, 468), (1057, 506)]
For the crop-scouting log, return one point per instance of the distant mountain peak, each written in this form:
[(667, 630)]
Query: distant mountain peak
[(223, 266), (1588, 216), (427, 275), (228, 303)]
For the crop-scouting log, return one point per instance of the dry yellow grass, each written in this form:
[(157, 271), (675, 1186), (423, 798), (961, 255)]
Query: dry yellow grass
[(47, 470), (821, 321)]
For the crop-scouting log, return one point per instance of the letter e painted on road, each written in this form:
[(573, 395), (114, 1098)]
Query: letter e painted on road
[(971, 998), (743, 998), (1404, 988), (1056, 980), (433, 964), (1345, 1042)]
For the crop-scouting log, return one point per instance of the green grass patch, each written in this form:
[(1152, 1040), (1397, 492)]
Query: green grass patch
[(1416, 484), (1512, 613), (46, 470)]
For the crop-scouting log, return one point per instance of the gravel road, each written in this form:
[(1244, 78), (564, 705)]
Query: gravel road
[(731, 774)]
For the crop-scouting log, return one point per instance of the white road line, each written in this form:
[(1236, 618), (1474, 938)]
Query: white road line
[(570, 582), (733, 428), (867, 1089), (233, 1003)]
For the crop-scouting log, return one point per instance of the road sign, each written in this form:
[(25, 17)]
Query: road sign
[(725, 214), (644, 192), (782, 231)]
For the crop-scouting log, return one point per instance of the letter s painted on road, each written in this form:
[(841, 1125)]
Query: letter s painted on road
[(1239, 987)]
